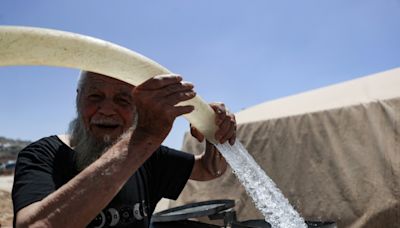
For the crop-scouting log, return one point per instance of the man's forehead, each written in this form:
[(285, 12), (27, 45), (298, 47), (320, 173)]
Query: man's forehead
[(98, 80)]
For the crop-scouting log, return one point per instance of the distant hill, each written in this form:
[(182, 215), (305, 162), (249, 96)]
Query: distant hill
[(9, 148)]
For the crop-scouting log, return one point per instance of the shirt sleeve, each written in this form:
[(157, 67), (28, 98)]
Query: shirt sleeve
[(33, 178), (173, 169)]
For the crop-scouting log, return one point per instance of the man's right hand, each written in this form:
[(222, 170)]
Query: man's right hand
[(156, 100)]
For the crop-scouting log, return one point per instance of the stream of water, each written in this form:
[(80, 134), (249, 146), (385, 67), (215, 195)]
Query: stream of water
[(266, 196)]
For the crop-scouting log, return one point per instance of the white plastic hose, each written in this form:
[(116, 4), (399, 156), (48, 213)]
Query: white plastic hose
[(38, 46)]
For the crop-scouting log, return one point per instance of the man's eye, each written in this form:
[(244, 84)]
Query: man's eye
[(94, 97), (123, 101)]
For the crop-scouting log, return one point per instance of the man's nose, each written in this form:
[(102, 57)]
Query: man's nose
[(107, 107)]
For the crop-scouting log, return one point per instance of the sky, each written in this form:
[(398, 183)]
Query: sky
[(240, 52)]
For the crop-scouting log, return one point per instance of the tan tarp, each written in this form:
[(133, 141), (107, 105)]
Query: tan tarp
[(333, 162)]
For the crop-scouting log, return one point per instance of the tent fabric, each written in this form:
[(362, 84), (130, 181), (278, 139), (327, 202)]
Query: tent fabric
[(340, 164), (380, 86)]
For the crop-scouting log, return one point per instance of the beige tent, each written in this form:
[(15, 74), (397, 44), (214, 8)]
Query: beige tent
[(334, 152)]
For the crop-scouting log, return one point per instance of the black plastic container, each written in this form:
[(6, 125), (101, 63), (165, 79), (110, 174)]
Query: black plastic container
[(179, 217)]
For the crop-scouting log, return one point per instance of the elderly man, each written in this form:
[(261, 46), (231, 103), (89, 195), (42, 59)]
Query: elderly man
[(112, 166)]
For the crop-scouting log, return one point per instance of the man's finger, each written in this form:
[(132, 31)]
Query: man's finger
[(196, 133), (180, 110), (224, 129), (176, 88), (220, 111), (175, 98), (160, 81), (230, 135)]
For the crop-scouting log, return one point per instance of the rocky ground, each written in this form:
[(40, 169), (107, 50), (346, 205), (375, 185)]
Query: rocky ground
[(6, 213)]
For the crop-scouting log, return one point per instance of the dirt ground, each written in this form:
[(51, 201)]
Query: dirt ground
[(6, 211), (6, 214)]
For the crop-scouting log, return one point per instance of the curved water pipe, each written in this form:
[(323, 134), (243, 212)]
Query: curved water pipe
[(47, 47)]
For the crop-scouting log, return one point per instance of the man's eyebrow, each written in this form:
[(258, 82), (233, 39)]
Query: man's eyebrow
[(125, 94), (90, 88)]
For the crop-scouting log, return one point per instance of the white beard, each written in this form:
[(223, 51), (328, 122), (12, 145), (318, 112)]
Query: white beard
[(88, 148)]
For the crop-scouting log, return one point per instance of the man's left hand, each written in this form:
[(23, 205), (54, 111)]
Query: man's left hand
[(226, 123)]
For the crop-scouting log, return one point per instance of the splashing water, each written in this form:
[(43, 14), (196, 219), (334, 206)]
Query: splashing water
[(266, 196)]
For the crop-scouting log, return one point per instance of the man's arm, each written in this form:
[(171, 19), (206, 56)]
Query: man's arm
[(76, 203), (211, 164), (208, 165)]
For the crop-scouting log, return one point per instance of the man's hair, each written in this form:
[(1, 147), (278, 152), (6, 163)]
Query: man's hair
[(81, 83), (81, 79)]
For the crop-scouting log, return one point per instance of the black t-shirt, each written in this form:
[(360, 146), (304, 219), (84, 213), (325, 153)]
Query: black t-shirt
[(45, 165)]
